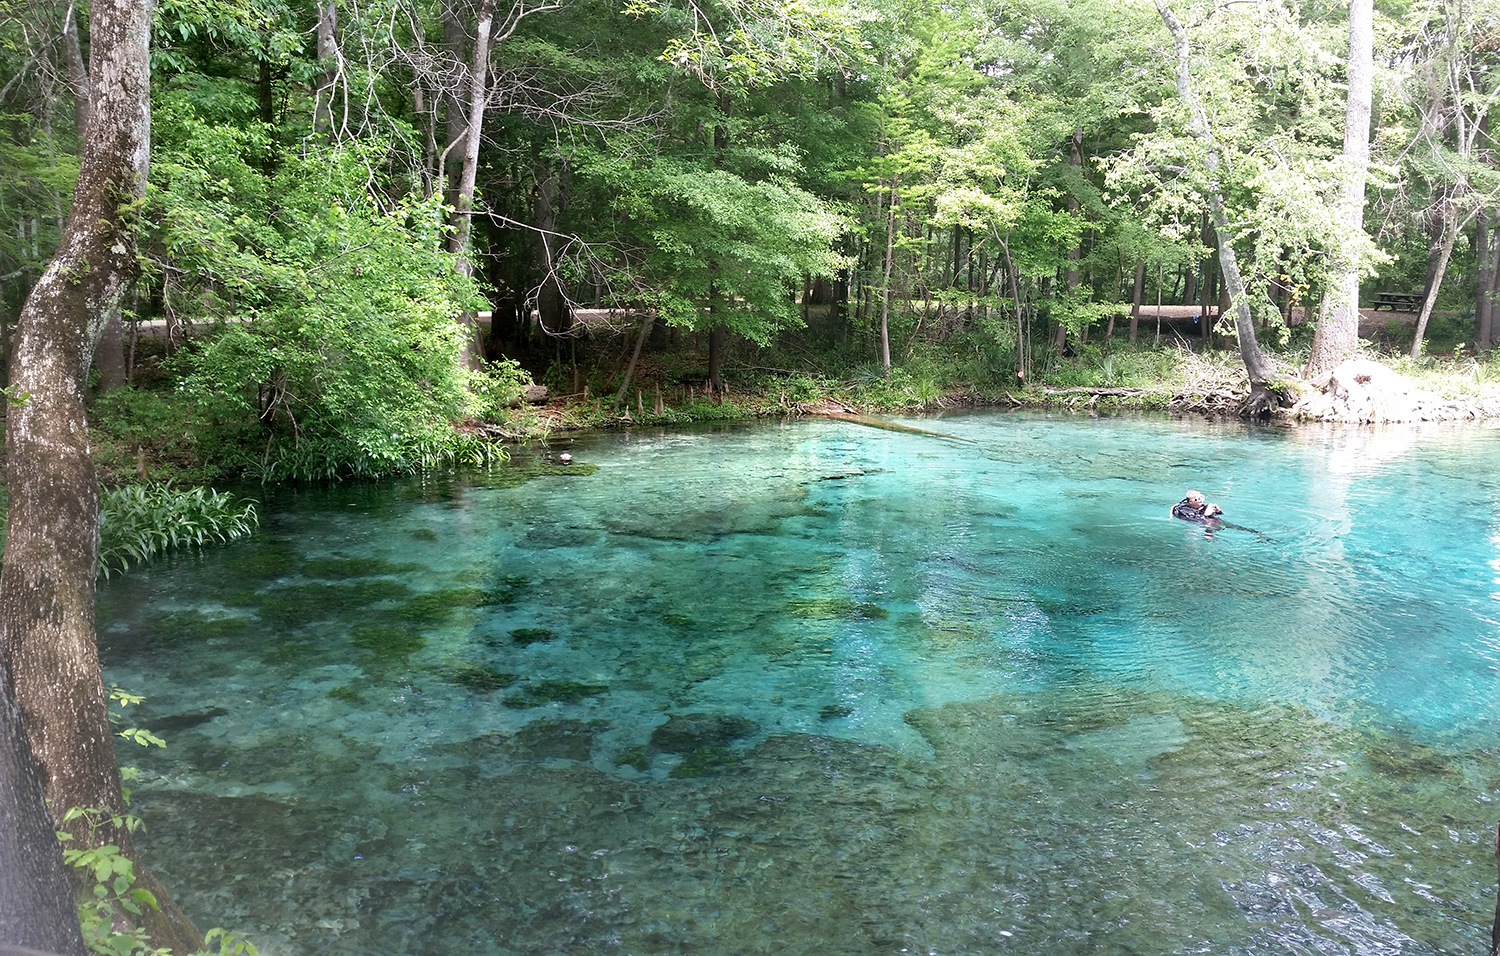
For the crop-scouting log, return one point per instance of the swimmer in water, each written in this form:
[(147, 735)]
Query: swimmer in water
[(1193, 508)]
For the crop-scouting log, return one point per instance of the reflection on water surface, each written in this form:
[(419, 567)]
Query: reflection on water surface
[(814, 688)]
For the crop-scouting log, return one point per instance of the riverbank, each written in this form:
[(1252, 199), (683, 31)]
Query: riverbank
[(1214, 386)]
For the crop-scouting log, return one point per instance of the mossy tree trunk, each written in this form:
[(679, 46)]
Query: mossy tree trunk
[(36, 901), (52, 535)]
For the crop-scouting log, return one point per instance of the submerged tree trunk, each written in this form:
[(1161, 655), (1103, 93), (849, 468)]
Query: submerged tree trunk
[(1337, 335), (1260, 400), (51, 544)]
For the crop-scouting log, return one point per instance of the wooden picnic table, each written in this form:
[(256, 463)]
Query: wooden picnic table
[(1405, 301)]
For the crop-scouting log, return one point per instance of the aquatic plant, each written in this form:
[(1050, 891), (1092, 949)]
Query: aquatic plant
[(344, 693), (338, 568), (637, 757), (526, 636), (477, 677), (704, 761), (138, 522), (297, 604), (545, 692), (388, 644), (824, 608), (563, 738)]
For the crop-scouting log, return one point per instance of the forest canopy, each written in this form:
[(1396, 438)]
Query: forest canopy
[(339, 191)]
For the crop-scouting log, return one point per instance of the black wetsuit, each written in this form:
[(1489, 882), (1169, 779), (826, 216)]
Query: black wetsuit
[(1187, 512)]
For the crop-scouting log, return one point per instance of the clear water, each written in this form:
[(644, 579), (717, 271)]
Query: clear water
[(822, 689)]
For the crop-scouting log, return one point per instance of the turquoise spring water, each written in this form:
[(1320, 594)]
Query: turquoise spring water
[(815, 688)]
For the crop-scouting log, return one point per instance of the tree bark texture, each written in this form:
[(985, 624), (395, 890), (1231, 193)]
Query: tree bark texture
[(1337, 335), (36, 900), (1255, 362), (51, 544)]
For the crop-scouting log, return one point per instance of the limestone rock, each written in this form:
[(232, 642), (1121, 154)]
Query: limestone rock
[(1361, 391)]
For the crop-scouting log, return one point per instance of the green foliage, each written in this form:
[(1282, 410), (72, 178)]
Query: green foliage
[(335, 310), (138, 522), (715, 246)]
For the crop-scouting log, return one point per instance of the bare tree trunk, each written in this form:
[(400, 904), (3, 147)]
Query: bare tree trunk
[(718, 337), (78, 74), (635, 357), (886, 270), (426, 120), (463, 207), (455, 50), (36, 900), (110, 356), (328, 59), (1487, 251), (1075, 159), (1337, 335), (1135, 297), (1450, 234), (51, 544), (1260, 399), (551, 301)]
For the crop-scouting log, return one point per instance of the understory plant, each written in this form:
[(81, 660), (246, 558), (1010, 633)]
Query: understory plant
[(138, 522)]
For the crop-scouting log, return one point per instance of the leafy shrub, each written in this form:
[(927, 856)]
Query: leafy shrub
[(332, 310)]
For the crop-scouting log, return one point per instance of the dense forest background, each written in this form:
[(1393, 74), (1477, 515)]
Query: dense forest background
[(895, 192)]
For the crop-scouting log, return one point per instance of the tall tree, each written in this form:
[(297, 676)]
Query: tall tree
[(1454, 149), (1337, 335), (1256, 366), (51, 543)]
